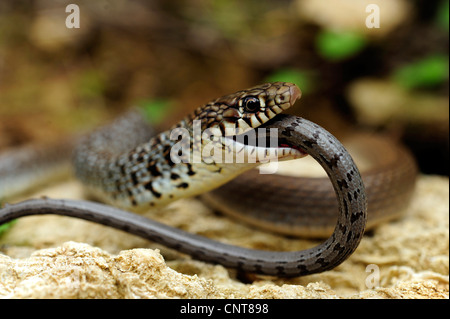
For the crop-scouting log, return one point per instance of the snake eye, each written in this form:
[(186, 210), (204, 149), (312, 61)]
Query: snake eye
[(251, 104)]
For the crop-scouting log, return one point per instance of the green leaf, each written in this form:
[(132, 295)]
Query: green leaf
[(303, 79), (6, 226), (430, 71), (442, 15), (155, 110), (91, 83), (337, 46)]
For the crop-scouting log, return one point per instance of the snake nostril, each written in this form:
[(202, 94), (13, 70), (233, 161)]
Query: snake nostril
[(295, 94)]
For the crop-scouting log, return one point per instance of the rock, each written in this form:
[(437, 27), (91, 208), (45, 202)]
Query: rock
[(410, 256)]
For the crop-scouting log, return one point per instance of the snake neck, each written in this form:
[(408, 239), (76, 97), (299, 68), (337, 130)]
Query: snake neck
[(166, 167), (126, 165)]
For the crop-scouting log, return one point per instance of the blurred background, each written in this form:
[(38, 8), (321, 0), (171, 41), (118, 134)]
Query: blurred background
[(170, 57)]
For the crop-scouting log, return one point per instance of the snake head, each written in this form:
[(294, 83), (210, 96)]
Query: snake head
[(245, 110), (236, 122)]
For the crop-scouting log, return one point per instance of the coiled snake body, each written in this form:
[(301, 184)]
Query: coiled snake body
[(127, 167)]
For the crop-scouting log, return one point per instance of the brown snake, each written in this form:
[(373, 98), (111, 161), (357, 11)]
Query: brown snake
[(125, 166)]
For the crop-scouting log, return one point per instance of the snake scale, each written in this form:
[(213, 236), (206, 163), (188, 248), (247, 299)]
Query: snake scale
[(126, 165)]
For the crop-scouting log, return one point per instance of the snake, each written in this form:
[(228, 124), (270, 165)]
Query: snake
[(131, 169)]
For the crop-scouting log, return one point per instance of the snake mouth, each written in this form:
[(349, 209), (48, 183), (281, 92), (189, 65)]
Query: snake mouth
[(281, 141), (264, 138), (255, 132), (264, 142)]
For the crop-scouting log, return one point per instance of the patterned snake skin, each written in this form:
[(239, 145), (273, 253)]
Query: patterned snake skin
[(127, 167)]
